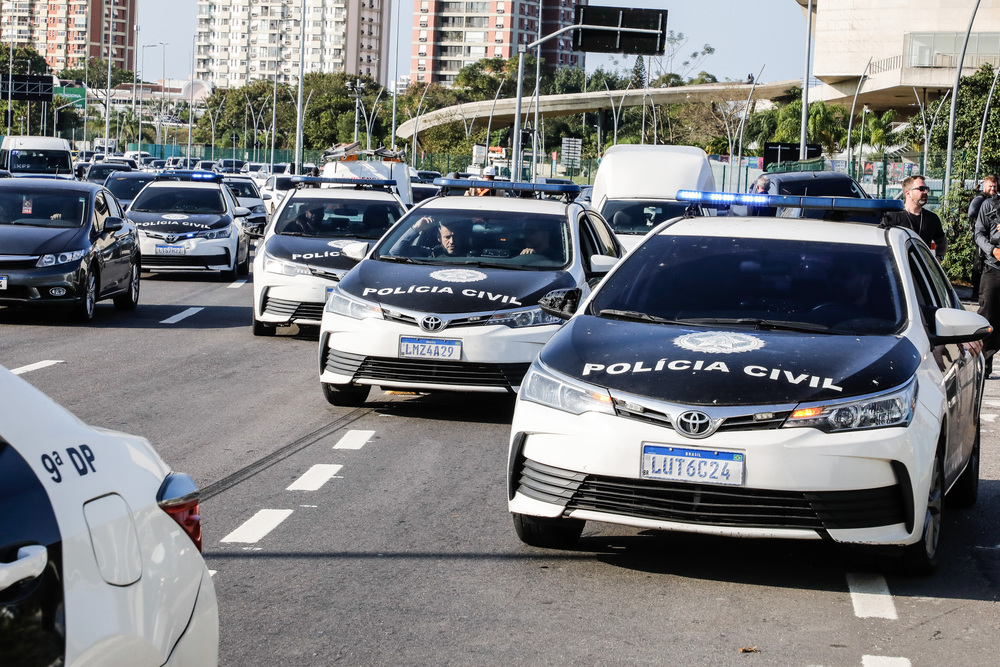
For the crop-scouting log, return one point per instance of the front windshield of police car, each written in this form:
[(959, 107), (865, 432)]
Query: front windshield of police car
[(337, 218), (635, 216), (759, 283), (504, 239), (193, 201), (43, 208)]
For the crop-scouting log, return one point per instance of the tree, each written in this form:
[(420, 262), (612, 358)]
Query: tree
[(96, 74), (639, 72)]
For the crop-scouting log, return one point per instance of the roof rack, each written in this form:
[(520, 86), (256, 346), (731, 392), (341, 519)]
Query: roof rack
[(727, 199), (189, 175), (518, 188), (356, 182)]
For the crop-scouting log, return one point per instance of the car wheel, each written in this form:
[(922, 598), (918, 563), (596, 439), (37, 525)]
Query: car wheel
[(130, 299), (922, 558), (548, 533), (261, 329), (965, 491), (243, 268), (345, 395), (85, 311), (230, 274)]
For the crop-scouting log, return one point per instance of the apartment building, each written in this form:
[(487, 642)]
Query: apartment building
[(450, 34), (68, 32), (242, 40)]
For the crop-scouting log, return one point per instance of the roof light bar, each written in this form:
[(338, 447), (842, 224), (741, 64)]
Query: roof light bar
[(319, 180), (726, 199), (189, 175), (466, 184)]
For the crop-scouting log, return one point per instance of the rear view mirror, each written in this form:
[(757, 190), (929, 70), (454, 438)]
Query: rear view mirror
[(112, 224), (952, 325), (355, 251), (601, 264)]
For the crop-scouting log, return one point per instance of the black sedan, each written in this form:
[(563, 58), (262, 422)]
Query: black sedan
[(65, 243), (125, 185)]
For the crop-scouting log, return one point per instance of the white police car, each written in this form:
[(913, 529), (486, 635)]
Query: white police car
[(756, 377), (100, 544), (191, 222), (448, 299), (299, 261)]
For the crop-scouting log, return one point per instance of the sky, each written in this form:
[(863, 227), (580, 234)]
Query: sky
[(745, 35)]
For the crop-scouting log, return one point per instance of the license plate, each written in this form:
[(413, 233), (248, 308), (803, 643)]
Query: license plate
[(703, 466), (430, 348), (169, 250), (3, 282)]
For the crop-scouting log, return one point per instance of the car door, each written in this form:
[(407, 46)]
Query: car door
[(107, 245), (960, 369)]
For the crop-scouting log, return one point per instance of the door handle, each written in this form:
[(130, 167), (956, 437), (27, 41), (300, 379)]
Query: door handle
[(30, 563)]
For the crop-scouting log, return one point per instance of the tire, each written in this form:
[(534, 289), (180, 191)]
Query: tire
[(85, 310), (922, 558), (130, 299), (547, 533), (965, 491), (345, 395), (243, 268), (261, 329)]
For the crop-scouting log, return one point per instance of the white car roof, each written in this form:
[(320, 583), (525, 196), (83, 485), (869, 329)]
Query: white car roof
[(779, 228)]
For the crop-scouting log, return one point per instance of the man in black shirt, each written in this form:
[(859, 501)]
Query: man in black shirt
[(987, 238), (988, 190), (916, 217)]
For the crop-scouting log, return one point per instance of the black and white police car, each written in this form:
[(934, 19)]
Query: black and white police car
[(100, 544), (190, 221), (448, 299), (756, 377), (299, 261)]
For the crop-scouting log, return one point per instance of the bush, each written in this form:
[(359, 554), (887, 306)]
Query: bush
[(961, 250)]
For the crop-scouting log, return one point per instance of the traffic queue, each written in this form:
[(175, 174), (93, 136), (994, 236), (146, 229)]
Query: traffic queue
[(799, 375)]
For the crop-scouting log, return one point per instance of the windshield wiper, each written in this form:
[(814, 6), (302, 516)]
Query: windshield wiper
[(634, 316), (290, 234), (761, 324), (403, 259)]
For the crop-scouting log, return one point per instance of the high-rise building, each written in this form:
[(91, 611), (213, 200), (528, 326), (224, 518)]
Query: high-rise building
[(67, 32), (450, 34), (242, 40)]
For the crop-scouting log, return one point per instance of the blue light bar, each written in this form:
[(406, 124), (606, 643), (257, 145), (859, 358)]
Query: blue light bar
[(550, 188), (319, 180), (726, 199), (189, 175)]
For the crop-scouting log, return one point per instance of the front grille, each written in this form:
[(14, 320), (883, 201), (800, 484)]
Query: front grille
[(293, 310), (424, 371), (410, 318), (710, 505), (179, 261), (13, 262), (748, 422)]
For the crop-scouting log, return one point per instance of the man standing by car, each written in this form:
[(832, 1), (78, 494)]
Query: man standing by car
[(988, 190), (916, 217), (987, 237)]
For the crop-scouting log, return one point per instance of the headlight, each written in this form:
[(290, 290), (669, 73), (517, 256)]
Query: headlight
[(60, 258), (283, 268), (893, 408), (223, 233), (532, 317), (259, 209), (342, 304), (544, 386)]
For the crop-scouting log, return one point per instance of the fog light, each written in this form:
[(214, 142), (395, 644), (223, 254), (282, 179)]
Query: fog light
[(58, 291)]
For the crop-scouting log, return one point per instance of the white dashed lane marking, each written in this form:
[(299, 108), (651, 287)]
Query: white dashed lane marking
[(315, 477), (35, 366), (181, 315), (988, 418), (237, 284), (354, 440), (883, 661), (870, 596), (257, 526)]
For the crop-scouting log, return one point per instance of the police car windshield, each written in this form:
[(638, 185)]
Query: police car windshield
[(635, 216), (506, 239), (196, 201), (43, 208), (758, 283), (328, 218)]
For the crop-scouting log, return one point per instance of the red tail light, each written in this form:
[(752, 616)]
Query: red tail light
[(178, 497)]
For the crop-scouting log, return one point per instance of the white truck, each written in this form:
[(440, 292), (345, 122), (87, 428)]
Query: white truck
[(105, 145)]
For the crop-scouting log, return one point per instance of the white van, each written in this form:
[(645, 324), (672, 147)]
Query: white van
[(40, 157), (386, 170), (636, 186)]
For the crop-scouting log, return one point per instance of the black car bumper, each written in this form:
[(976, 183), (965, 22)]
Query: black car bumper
[(49, 286)]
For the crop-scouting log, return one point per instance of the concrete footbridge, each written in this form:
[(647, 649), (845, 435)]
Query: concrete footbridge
[(566, 105)]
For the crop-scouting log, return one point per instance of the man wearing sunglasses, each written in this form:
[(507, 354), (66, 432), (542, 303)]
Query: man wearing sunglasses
[(916, 217)]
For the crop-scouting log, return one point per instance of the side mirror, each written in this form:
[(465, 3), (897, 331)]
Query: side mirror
[(602, 263), (241, 211), (113, 224), (952, 325), (355, 251), (561, 303), (266, 197)]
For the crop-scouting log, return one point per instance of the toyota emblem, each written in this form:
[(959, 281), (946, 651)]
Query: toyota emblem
[(695, 424), (432, 323), (171, 238)]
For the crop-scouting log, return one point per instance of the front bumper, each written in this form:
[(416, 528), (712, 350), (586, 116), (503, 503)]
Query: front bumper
[(493, 359), (30, 286), (861, 487), (193, 254), (284, 300)]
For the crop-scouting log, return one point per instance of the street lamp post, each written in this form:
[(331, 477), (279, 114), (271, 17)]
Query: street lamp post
[(355, 90), (861, 143), (107, 98)]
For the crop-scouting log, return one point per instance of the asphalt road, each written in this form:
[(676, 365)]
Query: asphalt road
[(380, 535)]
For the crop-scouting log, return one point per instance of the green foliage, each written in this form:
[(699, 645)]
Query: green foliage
[(961, 249), (96, 73)]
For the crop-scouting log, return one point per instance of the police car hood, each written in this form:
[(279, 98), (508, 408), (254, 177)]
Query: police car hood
[(451, 288), (27, 240), (311, 251), (178, 223), (699, 366)]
